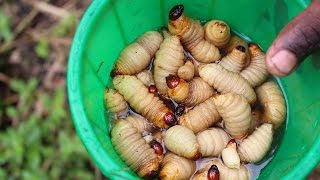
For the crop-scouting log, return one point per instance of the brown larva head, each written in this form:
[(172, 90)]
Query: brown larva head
[(232, 143), (254, 50), (241, 48), (179, 110), (157, 147), (153, 89), (176, 12), (170, 119), (151, 175), (172, 81), (213, 173), (114, 72), (197, 156)]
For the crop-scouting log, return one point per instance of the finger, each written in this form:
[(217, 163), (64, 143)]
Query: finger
[(295, 42)]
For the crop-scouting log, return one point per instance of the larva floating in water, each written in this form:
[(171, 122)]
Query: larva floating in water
[(143, 102), (235, 60), (146, 77), (230, 155), (212, 141), (273, 104), (137, 56), (254, 147), (234, 42), (133, 149), (191, 34), (186, 71), (256, 73), (115, 102), (176, 167), (217, 32), (214, 167), (188, 93), (140, 123), (168, 59), (225, 81), (235, 112), (182, 141), (201, 117)]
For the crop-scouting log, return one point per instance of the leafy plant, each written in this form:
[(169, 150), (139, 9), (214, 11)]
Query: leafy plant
[(42, 145), (5, 32)]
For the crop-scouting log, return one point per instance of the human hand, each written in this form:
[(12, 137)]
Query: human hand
[(295, 42)]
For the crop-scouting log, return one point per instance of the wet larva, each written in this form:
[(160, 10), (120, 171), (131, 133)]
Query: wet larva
[(230, 155), (235, 112), (201, 117), (136, 56), (143, 102), (182, 141), (234, 42), (225, 173), (176, 167), (140, 123), (255, 146), (115, 102), (256, 73), (217, 32), (191, 34), (146, 77), (235, 60), (186, 71), (225, 81), (212, 141), (168, 59), (273, 104), (133, 149), (188, 93)]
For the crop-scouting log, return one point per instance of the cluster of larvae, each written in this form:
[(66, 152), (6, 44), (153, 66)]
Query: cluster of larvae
[(192, 93)]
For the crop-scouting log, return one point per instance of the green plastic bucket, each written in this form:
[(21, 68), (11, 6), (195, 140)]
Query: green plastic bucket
[(108, 26)]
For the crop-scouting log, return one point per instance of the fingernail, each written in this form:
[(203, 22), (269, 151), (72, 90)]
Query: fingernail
[(284, 62)]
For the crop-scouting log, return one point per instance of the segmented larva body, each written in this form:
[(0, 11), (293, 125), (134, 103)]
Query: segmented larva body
[(225, 173), (176, 167), (191, 34), (255, 146), (189, 93), (182, 141), (115, 102), (235, 112), (235, 60), (146, 77), (140, 123), (230, 155), (133, 149), (137, 56), (186, 71), (168, 60), (201, 117), (225, 81), (212, 141), (272, 101), (234, 42), (256, 73), (143, 102), (217, 32)]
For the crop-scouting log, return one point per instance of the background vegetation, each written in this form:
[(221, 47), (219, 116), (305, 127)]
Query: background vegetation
[(37, 138)]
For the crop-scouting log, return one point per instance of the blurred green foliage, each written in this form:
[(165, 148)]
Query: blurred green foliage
[(5, 32), (41, 147), (37, 139), (66, 25), (42, 48)]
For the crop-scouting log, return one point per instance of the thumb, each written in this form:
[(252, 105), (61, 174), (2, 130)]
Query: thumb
[(296, 41)]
